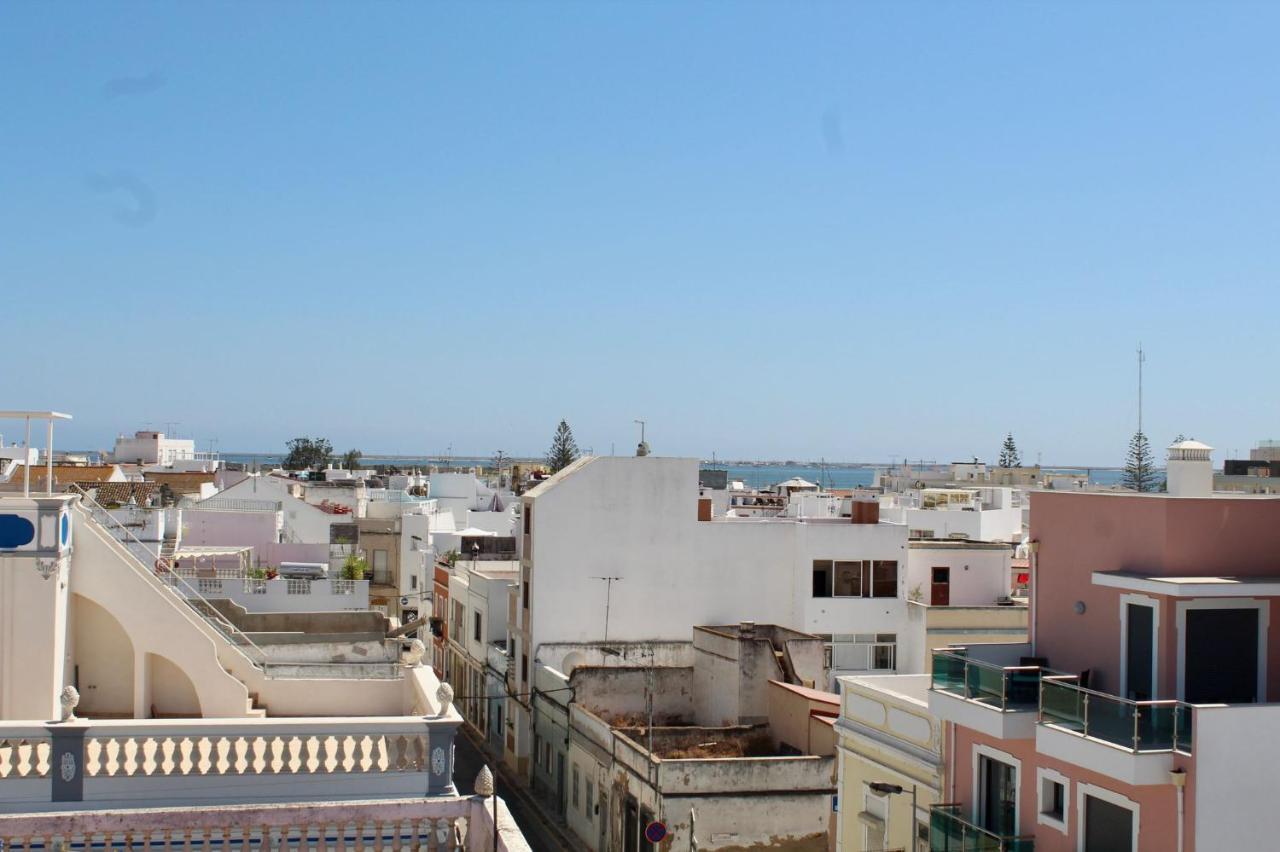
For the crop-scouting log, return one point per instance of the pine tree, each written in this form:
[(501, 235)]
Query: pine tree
[(1009, 455), (563, 450), (1139, 467)]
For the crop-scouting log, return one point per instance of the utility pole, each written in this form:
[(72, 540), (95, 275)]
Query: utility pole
[(608, 596), (1142, 359)]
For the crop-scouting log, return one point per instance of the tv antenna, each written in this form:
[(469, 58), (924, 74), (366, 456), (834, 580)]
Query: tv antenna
[(608, 597)]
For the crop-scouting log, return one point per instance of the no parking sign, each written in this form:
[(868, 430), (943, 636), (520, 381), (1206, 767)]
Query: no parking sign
[(655, 832)]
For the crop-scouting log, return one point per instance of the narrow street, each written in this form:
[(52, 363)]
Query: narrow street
[(541, 832)]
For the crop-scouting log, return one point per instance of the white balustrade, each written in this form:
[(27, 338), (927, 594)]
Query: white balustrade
[(450, 823)]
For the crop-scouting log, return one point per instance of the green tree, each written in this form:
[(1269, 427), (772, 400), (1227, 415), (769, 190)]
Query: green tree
[(1009, 455), (351, 459), (1139, 466), (307, 453), (564, 451)]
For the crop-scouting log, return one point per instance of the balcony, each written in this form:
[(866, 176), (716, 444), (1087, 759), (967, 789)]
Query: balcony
[(950, 832), (998, 700), (1133, 741)]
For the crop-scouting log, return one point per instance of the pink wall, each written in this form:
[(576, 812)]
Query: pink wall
[(248, 529), (1158, 803), (1082, 533), (274, 553)]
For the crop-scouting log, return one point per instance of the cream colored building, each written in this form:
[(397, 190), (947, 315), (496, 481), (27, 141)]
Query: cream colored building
[(885, 735)]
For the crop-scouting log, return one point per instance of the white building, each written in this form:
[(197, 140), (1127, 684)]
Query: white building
[(977, 514), (636, 520), (156, 449), (171, 720)]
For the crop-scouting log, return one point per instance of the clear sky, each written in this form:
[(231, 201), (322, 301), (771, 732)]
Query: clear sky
[(850, 230)]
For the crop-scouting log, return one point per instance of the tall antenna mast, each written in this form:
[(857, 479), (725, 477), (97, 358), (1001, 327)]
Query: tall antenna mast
[(1142, 358)]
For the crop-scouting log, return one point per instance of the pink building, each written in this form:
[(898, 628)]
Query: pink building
[(1136, 718)]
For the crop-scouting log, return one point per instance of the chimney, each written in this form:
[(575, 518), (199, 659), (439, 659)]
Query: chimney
[(747, 630), (1189, 469), (864, 510)]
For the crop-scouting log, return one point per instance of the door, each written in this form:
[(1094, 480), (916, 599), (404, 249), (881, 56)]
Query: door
[(1139, 647), (997, 796), (560, 800), (940, 588), (631, 827), (1220, 655), (1107, 827)]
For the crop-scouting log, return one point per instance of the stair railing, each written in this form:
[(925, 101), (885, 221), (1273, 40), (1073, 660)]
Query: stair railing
[(169, 579)]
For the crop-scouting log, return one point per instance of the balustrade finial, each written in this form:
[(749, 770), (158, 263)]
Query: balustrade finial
[(69, 699), (484, 782), (445, 696)]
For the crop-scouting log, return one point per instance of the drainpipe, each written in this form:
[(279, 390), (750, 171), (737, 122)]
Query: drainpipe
[(1178, 778), (1034, 547)]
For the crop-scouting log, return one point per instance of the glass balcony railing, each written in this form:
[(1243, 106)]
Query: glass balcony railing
[(1006, 688), (950, 832), (1134, 725)]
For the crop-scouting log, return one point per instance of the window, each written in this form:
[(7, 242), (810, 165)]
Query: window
[(524, 668), (884, 579), (822, 578), (478, 632), (1053, 798), (459, 618), (413, 581), (1108, 822), (575, 786), (995, 780), (528, 519), (920, 534), (848, 582), (590, 804), (380, 567), (524, 591)]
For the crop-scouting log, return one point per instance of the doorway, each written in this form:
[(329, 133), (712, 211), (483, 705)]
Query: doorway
[(1139, 655), (940, 587), (1220, 656), (997, 796)]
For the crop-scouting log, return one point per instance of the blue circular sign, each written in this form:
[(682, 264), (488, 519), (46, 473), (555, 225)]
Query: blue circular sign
[(655, 832)]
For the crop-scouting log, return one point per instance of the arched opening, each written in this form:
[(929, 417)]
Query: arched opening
[(173, 695), (102, 657)]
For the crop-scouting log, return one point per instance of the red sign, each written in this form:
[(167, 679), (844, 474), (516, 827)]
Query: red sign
[(655, 832)]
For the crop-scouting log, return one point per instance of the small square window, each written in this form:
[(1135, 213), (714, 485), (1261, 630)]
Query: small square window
[(1053, 797)]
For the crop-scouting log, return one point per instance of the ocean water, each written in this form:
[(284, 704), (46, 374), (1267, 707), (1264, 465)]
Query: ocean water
[(754, 476)]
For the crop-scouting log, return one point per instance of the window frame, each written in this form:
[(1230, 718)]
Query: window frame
[(1045, 776), (1083, 789)]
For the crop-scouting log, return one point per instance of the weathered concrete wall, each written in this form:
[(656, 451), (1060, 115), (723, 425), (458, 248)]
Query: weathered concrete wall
[(622, 692)]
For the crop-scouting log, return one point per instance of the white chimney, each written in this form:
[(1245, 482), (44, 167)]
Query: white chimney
[(1190, 470)]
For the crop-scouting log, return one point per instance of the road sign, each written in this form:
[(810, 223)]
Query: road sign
[(655, 832), (404, 601)]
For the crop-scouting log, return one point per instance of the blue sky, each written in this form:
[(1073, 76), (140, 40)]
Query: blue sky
[(848, 230)]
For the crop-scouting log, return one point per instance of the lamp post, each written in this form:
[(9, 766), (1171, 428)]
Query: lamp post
[(884, 788)]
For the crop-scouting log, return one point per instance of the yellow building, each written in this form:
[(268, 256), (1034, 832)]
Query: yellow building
[(889, 754)]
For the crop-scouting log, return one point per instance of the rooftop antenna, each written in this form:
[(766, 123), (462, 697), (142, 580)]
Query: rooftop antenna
[(1142, 359), (608, 597), (642, 449)]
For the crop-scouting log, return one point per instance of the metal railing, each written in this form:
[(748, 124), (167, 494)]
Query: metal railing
[(1138, 726), (1005, 688), (189, 595), (950, 832)]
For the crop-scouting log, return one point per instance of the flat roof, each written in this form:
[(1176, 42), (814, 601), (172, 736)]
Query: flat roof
[(1208, 586), (34, 415)]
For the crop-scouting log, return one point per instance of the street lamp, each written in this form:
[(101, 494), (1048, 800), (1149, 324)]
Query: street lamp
[(884, 788)]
